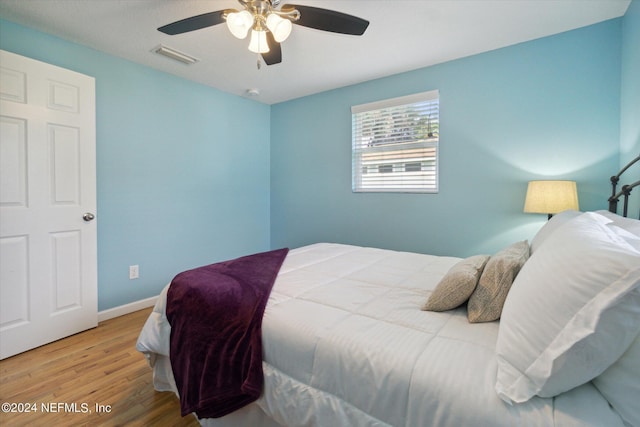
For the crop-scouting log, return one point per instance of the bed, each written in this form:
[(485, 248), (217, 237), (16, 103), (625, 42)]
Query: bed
[(358, 336)]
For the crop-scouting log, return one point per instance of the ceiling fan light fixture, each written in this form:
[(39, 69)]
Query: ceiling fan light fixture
[(258, 43), (279, 27), (239, 23), (270, 24)]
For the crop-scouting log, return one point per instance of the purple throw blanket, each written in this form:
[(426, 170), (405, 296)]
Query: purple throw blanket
[(215, 314)]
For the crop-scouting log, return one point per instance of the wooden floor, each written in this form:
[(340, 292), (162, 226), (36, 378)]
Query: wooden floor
[(93, 378)]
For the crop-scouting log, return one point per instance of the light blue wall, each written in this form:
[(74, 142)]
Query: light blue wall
[(630, 101), (183, 180), (544, 109)]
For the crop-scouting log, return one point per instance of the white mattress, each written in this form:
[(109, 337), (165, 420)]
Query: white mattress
[(346, 344)]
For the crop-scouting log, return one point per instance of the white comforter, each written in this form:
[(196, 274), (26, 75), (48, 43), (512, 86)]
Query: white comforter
[(346, 344)]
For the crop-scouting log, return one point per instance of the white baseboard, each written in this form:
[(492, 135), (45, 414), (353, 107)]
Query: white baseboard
[(126, 309)]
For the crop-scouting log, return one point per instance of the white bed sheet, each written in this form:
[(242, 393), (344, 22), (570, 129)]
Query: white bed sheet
[(346, 344)]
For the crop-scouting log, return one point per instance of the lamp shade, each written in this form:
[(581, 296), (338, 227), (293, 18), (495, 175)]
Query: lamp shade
[(239, 23), (281, 28), (551, 197), (258, 42)]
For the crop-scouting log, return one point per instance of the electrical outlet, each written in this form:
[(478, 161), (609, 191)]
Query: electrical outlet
[(134, 272)]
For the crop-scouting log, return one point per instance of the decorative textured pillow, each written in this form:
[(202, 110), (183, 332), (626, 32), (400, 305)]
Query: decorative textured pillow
[(485, 304), (570, 314), (552, 225), (457, 285)]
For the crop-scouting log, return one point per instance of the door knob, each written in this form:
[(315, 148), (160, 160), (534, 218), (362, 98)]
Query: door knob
[(88, 216)]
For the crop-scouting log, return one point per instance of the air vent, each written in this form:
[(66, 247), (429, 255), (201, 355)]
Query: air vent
[(174, 54)]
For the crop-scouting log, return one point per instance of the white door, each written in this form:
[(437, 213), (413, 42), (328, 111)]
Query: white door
[(48, 252)]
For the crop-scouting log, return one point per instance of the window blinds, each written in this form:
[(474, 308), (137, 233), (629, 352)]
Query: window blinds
[(395, 144)]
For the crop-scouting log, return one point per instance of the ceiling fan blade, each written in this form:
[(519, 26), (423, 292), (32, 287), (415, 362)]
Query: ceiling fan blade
[(328, 20), (194, 23), (274, 56)]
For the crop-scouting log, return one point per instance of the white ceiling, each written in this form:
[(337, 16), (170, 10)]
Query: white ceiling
[(403, 35)]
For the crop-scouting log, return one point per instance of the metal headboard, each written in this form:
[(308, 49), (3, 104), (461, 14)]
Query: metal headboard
[(624, 191)]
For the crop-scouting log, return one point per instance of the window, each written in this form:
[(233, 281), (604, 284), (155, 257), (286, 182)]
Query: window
[(395, 144)]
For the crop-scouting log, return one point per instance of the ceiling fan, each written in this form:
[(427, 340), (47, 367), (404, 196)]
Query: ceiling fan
[(270, 26)]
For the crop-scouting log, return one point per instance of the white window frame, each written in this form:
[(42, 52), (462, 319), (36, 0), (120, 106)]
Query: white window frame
[(381, 163)]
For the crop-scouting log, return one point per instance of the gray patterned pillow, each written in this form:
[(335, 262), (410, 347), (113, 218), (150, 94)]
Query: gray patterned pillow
[(487, 300), (457, 285)]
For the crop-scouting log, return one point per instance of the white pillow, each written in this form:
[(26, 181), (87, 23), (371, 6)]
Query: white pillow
[(620, 383), (567, 318), (551, 226), (629, 224)]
